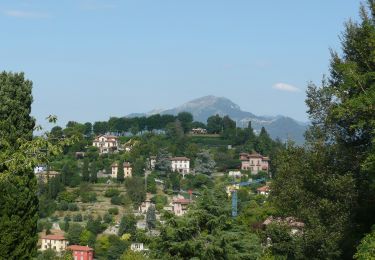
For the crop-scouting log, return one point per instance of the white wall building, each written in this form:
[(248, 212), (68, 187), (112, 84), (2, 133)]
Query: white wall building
[(180, 164), (106, 143), (57, 243), (128, 170)]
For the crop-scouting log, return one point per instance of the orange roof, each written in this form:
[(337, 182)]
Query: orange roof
[(180, 159), (182, 201), (264, 188), (80, 248), (54, 237)]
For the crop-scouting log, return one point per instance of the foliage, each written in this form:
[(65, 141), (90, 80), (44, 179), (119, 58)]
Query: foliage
[(151, 218), (111, 193), (366, 249), (87, 238), (113, 211), (74, 234), (135, 189), (204, 163), (131, 255), (127, 225)]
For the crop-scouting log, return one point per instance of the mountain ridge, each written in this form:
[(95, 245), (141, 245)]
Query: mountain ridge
[(279, 126)]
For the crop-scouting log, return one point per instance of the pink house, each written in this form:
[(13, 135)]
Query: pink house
[(81, 252), (254, 162), (180, 206)]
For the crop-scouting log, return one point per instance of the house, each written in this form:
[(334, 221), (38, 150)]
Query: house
[(81, 252), (254, 162), (296, 226), (180, 206), (180, 164), (44, 176), (235, 174), (127, 170), (198, 131), (106, 143), (40, 168), (137, 247), (57, 243), (264, 190), (144, 206), (152, 162)]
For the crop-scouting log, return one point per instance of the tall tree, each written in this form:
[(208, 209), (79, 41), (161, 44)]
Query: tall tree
[(204, 163), (85, 170), (93, 172), (330, 184), (151, 217), (120, 172), (18, 197)]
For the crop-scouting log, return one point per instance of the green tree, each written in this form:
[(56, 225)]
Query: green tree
[(127, 225), (93, 172), (214, 124), (151, 218), (87, 238), (85, 170), (120, 172), (163, 162), (186, 119), (19, 202), (74, 234), (131, 255), (366, 249), (136, 190)]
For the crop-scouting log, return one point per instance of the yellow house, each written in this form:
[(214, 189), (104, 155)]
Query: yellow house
[(57, 243)]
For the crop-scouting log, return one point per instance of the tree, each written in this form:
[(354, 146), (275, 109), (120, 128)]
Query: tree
[(93, 172), (163, 162), (127, 225), (19, 202), (366, 249), (131, 255), (87, 238), (85, 170), (214, 124), (120, 172), (88, 129), (186, 119), (204, 163), (74, 234), (136, 190), (332, 180), (151, 217)]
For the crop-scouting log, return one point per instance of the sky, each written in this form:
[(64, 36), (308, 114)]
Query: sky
[(92, 59)]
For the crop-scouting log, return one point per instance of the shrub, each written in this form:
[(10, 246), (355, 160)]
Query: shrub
[(113, 211), (111, 193), (88, 197), (117, 200), (63, 205), (108, 218), (77, 218), (72, 207)]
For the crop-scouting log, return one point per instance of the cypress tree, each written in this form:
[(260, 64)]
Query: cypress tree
[(18, 196)]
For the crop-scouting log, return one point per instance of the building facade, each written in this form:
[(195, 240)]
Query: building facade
[(180, 164), (180, 206), (81, 252), (106, 143), (128, 170), (254, 162), (57, 243)]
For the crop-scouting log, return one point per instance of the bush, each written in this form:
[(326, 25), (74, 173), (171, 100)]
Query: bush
[(66, 196), (111, 193), (113, 211), (107, 218), (63, 205), (117, 200), (88, 197), (77, 218), (72, 207)]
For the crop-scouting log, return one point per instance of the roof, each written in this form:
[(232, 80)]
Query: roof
[(289, 221), (180, 159), (264, 188), (54, 237), (80, 248), (182, 201), (127, 164)]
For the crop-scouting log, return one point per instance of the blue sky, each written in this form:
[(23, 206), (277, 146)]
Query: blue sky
[(92, 59)]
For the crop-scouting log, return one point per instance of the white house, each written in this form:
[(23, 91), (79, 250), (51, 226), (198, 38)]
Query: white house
[(57, 243), (236, 174), (127, 170), (106, 143), (40, 168), (264, 190), (180, 164), (144, 206), (137, 247)]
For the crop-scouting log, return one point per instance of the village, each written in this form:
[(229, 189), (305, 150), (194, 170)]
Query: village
[(158, 203)]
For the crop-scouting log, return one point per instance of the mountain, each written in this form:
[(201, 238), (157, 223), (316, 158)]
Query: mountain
[(202, 108)]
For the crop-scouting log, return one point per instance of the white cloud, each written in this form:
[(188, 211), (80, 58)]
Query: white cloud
[(25, 14), (286, 87)]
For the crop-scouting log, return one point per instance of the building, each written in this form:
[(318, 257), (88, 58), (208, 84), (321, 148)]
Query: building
[(296, 226), (198, 131), (152, 162), (180, 164), (81, 252), (40, 168), (44, 176), (137, 247), (254, 162), (57, 243), (234, 174), (127, 170), (106, 143), (144, 206), (180, 206), (264, 190)]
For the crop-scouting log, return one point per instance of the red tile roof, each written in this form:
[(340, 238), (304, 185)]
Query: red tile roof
[(180, 159), (80, 248), (182, 201), (54, 237), (264, 188)]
